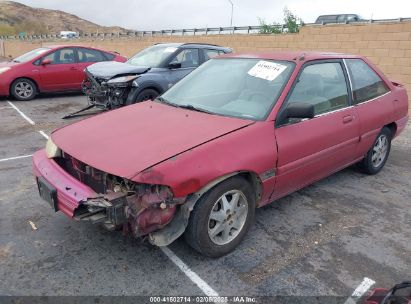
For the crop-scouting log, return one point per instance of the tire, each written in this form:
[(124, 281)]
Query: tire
[(23, 89), (146, 94), (377, 156), (215, 238)]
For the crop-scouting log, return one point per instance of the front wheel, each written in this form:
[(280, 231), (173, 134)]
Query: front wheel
[(23, 89), (146, 94), (221, 218), (377, 156)]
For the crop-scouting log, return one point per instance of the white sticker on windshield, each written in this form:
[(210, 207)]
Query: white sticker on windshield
[(170, 49), (267, 70)]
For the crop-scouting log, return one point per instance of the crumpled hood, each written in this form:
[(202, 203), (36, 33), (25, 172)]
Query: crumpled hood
[(126, 141), (109, 69)]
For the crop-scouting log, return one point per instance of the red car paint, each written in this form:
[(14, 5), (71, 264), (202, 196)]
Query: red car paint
[(152, 143), (69, 190), (399, 294), (50, 77)]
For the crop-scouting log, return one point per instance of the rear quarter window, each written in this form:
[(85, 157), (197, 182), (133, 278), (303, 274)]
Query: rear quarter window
[(366, 84), (90, 55), (109, 56), (208, 54)]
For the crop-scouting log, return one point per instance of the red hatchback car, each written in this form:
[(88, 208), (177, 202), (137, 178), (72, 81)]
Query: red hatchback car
[(239, 132), (49, 69)]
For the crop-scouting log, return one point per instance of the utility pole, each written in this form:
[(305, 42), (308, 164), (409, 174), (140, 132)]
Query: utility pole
[(232, 10)]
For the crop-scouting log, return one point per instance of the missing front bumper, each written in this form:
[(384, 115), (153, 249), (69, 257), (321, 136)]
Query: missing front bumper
[(138, 215), (108, 210)]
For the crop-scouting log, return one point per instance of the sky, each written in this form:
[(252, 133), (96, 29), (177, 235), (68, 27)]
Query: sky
[(177, 14)]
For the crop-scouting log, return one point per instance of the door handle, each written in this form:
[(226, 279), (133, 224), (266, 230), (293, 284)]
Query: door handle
[(348, 118), (73, 69)]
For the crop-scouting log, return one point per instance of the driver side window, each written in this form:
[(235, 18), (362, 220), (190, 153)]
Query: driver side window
[(188, 58), (322, 85)]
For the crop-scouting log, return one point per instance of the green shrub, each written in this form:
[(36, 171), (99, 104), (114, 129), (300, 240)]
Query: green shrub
[(292, 24), (274, 28)]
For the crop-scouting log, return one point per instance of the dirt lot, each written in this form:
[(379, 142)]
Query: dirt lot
[(320, 241)]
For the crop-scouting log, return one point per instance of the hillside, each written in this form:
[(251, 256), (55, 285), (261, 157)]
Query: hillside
[(16, 17)]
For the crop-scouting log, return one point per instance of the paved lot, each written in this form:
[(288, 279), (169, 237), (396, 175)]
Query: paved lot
[(323, 240)]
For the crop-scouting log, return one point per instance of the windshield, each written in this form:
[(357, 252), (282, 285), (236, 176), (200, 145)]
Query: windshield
[(31, 55), (152, 56), (244, 88)]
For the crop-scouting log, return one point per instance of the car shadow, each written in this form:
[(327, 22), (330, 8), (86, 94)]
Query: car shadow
[(43, 96)]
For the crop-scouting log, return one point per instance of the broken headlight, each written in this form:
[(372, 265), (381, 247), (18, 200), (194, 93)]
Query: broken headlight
[(52, 150), (122, 79)]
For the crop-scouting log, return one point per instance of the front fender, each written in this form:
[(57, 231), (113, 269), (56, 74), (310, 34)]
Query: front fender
[(250, 149), (138, 86), (178, 225), (151, 80)]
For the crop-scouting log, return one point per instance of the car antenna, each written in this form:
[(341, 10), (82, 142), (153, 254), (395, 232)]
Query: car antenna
[(302, 57)]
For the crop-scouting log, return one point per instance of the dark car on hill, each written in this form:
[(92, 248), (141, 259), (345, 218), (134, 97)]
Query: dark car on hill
[(147, 74), (338, 18)]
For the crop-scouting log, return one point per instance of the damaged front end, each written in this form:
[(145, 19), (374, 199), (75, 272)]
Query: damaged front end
[(138, 209), (106, 93)]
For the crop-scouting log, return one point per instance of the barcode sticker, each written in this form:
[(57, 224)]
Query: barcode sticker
[(267, 70)]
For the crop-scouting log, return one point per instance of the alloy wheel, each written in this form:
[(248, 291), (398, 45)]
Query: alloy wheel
[(23, 89), (379, 151), (227, 217)]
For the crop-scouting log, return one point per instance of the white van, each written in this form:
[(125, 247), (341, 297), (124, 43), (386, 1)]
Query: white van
[(68, 35)]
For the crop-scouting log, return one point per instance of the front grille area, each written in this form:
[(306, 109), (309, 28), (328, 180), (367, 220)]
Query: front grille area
[(86, 174)]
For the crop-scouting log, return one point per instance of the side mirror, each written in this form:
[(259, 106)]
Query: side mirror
[(299, 110), (174, 65), (46, 61)]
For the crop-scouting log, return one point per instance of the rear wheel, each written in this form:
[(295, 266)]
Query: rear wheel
[(146, 94), (23, 89), (377, 156), (221, 218)]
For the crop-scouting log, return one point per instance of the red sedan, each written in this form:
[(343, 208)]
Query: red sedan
[(49, 69), (239, 132)]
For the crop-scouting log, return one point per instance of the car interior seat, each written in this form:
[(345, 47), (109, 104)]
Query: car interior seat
[(254, 90), (83, 57), (68, 58), (188, 60), (310, 89), (254, 100)]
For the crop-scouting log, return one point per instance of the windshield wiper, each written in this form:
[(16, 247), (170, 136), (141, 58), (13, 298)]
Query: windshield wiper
[(193, 108), (159, 98), (163, 100), (187, 106)]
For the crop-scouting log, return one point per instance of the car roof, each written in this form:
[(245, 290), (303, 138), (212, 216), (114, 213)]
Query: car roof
[(332, 15), (206, 46), (291, 56), (59, 46), (197, 45)]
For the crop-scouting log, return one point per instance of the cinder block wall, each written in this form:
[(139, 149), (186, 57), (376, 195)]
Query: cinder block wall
[(388, 45)]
